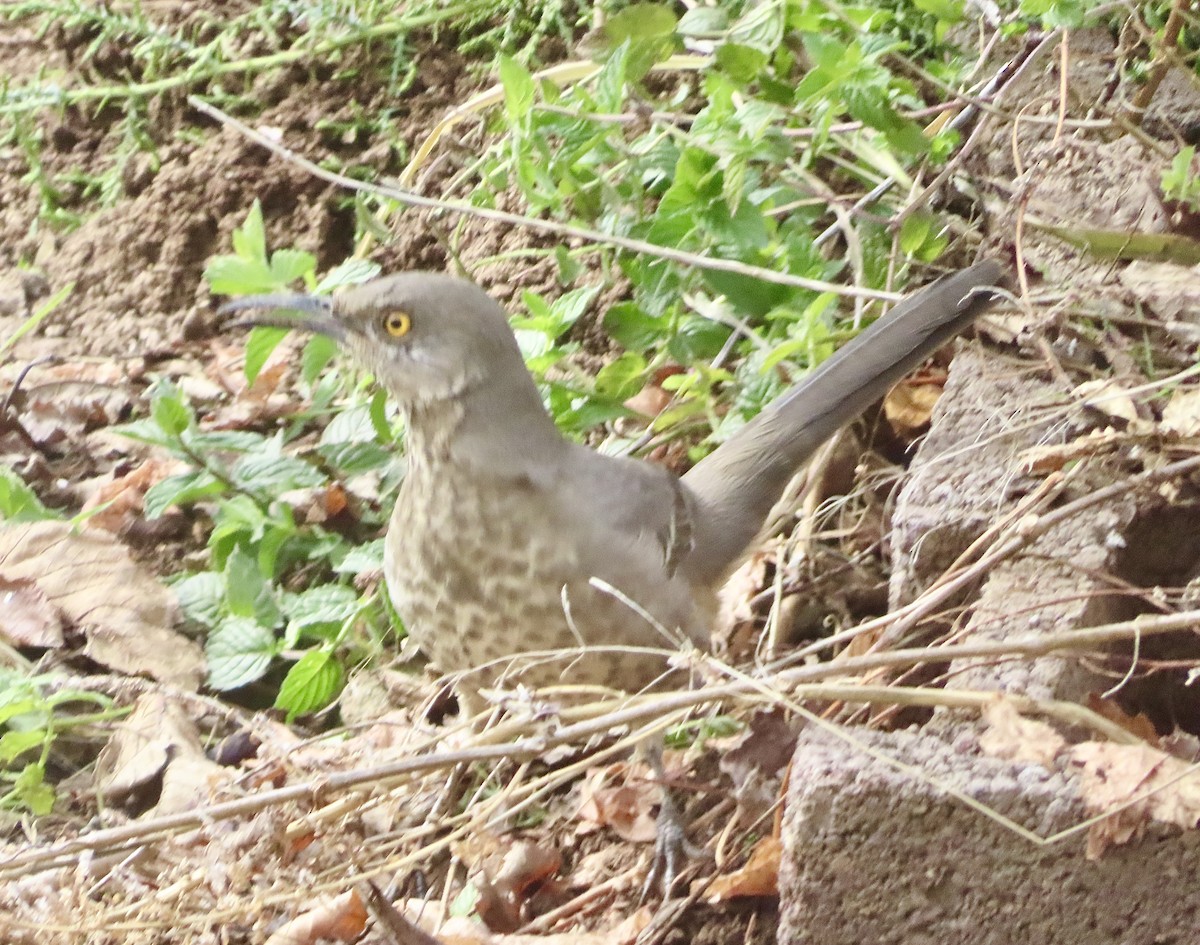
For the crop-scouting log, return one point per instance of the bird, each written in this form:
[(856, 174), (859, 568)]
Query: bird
[(517, 556)]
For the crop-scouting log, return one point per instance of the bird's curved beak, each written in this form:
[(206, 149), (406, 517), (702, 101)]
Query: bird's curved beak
[(305, 312)]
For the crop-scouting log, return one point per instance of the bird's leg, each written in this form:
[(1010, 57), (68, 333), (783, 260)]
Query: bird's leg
[(672, 849)]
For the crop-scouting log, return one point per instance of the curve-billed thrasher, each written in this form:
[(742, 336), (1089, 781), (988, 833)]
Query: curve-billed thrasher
[(509, 540)]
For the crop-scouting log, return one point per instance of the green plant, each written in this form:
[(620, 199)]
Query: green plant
[(1180, 181), (735, 153), (35, 712), (249, 481), (129, 60)]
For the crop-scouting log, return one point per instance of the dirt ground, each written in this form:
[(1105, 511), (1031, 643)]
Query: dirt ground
[(140, 309)]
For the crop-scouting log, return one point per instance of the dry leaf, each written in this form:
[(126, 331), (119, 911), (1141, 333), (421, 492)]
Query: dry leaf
[(908, 407), (1040, 460), (1106, 396), (124, 613), (1166, 789), (26, 617), (507, 875), (1139, 725), (157, 741), (123, 495), (650, 401), (1011, 736), (759, 877), (1169, 290), (342, 918), (626, 808), (458, 930), (1181, 415), (756, 758)]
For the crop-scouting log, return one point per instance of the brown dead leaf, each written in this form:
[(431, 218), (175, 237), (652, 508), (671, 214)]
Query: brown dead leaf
[(507, 874), (341, 918), (124, 613), (1041, 460), (157, 746), (266, 382), (756, 758), (626, 808), (1169, 290), (650, 401), (1110, 399), (908, 407), (1181, 415), (26, 617), (736, 630), (458, 930), (1011, 736), (1145, 783), (72, 397), (1139, 725), (122, 496), (759, 877)]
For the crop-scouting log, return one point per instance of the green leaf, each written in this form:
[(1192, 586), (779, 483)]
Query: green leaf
[(247, 593), (319, 611), (30, 790), (519, 89), (317, 353), (287, 265), (948, 11), (169, 411), (238, 652), (761, 26), (634, 329), (201, 597), (349, 272), (914, 231), (267, 469), (17, 707), (19, 503), (250, 239), (237, 518), (234, 441), (352, 425), (740, 62), (259, 345), (697, 339), (567, 308), (230, 275), (379, 417), (610, 81), (13, 743), (352, 459), (149, 432), (642, 34), (703, 21), (749, 296), (622, 378), (311, 684), (1178, 182), (180, 489), (363, 558)]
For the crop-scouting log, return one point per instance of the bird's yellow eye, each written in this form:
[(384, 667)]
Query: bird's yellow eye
[(397, 324)]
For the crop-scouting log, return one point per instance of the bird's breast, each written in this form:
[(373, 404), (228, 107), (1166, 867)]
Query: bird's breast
[(486, 574)]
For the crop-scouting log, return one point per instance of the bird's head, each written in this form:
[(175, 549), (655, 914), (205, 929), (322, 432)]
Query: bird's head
[(426, 337)]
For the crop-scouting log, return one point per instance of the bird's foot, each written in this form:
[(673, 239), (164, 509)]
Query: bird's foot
[(672, 850)]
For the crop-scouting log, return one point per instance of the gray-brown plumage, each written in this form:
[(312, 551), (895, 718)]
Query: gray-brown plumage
[(506, 536)]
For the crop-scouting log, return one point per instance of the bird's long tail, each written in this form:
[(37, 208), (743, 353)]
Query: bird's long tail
[(738, 483)]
